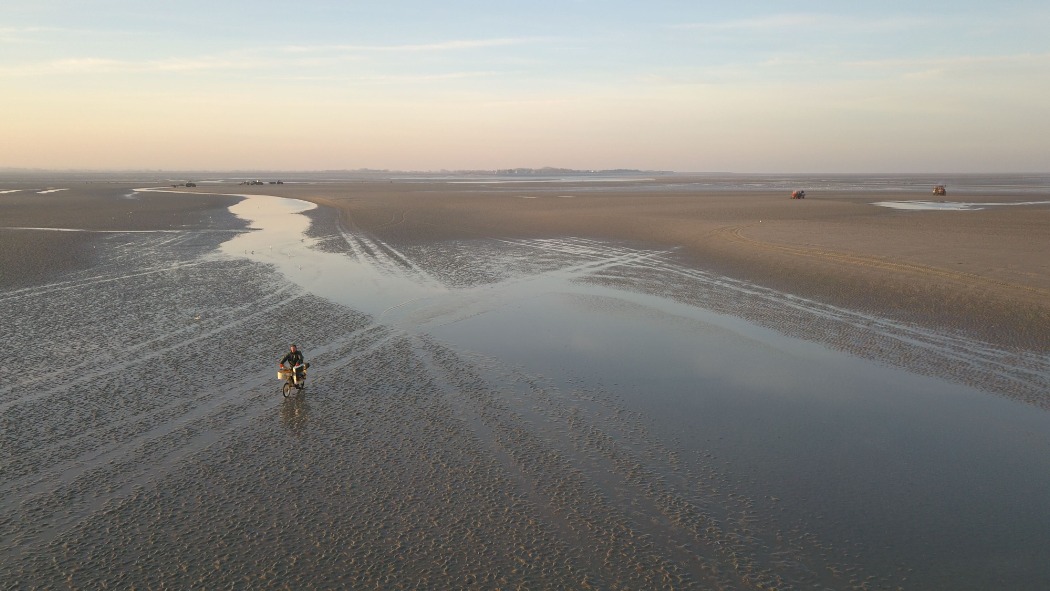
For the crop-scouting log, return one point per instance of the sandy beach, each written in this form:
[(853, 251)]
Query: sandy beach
[(522, 385)]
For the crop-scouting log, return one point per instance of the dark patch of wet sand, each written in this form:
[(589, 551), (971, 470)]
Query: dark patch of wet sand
[(29, 257)]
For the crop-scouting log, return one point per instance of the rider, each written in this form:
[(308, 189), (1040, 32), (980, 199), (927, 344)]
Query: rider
[(294, 358)]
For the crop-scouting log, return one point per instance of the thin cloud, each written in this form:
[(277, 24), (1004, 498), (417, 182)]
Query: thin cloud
[(38, 34), (100, 66), (16, 30), (956, 62), (967, 66), (25, 34), (452, 45), (805, 68), (95, 65), (408, 78), (794, 22), (103, 65), (85, 64), (400, 79), (254, 59)]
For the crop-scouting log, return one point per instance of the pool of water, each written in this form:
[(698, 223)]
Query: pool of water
[(950, 205)]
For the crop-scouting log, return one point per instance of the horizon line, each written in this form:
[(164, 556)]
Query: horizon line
[(552, 169)]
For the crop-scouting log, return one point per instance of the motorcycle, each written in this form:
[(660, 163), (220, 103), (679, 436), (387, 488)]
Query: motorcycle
[(293, 378)]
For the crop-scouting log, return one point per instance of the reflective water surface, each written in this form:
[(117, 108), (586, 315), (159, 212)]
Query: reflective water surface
[(950, 205)]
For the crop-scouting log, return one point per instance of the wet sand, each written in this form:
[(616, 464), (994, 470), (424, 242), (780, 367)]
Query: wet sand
[(31, 257), (494, 432), (982, 272)]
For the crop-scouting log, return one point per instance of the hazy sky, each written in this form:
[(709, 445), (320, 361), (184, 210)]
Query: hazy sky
[(687, 85)]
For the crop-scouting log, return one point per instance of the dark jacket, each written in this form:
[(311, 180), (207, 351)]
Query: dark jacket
[(292, 358)]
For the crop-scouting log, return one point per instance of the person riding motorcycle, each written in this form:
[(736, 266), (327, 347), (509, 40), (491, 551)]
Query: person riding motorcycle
[(294, 359)]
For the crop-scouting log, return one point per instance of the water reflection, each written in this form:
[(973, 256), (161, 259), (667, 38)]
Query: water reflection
[(369, 276), (951, 205), (295, 413)]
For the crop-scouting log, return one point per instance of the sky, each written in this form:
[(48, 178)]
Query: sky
[(691, 86)]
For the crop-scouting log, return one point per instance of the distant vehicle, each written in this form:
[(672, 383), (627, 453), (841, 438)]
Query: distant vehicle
[(191, 184), (798, 194), (939, 190)]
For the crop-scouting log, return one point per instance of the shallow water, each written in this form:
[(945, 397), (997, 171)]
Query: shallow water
[(366, 281), (950, 205), (539, 413)]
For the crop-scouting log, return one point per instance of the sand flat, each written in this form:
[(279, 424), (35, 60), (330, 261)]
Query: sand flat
[(506, 392)]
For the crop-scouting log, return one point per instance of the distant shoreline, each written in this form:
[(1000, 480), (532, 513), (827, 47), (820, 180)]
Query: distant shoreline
[(958, 184)]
